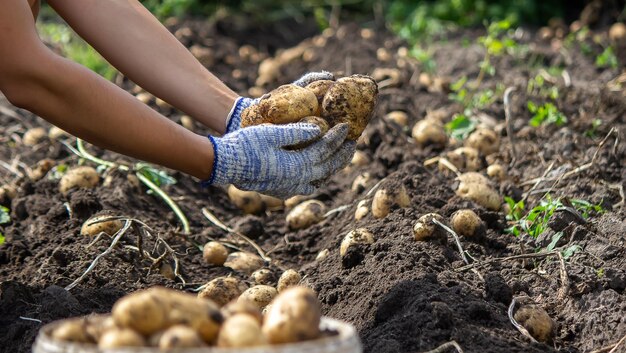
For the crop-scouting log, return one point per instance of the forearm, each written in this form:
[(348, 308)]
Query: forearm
[(129, 37), (88, 106)]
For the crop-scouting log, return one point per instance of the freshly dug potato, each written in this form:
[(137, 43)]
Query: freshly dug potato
[(242, 307), (466, 223), (360, 159), (537, 321), (56, 133), (241, 330), (319, 88), (143, 311), (120, 337), (79, 177), (486, 141), (96, 325), (222, 290), (249, 202), (214, 253), (272, 203), (34, 136), (429, 132), (424, 229), (244, 262), (465, 159), (293, 317), (480, 192), (316, 120), (288, 279), (259, 295), (473, 177), (351, 100), (497, 172), (295, 201), (360, 182), (286, 104), (41, 169), (399, 117), (187, 122), (263, 276), (306, 214), (357, 236), (361, 210), (388, 196), (72, 330), (95, 225), (7, 193), (617, 33), (180, 336)]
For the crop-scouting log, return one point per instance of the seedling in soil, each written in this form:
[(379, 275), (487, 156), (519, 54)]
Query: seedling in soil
[(545, 114), (567, 252), (538, 86), (425, 58), (595, 124), (460, 126), (607, 59), (496, 43), (4, 219)]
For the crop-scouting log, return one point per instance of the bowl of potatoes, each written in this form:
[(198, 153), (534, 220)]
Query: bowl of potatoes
[(164, 320)]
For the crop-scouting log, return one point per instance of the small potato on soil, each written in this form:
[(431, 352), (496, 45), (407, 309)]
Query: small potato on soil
[(360, 182), (294, 316), (617, 33), (465, 159), (425, 229), (263, 276), (7, 193), (497, 172), (351, 100), (360, 159), (222, 290), (486, 141), (56, 133), (272, 203), (34, 136), (288, 279), (429, 132), (98, 224), (79, 177), (244, 262), (306, 214), (466, 223), (214, 253), (96, 325), (259, 295), (399, 117), (180, 336), (479, 191), (388, 196), (249, 202), (41, 169), (362, 210), (286, 104), (537, 321), (357, 236), (242, 307), (72, 330), (120, 337), (241, 330)]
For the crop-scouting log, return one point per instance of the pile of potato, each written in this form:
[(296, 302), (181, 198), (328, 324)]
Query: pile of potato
[(171, 319)]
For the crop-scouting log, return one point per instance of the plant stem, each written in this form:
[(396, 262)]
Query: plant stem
[(168, 200)]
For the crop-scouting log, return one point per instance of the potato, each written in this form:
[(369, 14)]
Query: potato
[(7, 193), (357, 236), (288, 279), (464, 158), (466, 223), (166, 270), (249, 202), (241, 330), (316, 120), (486, 141), (41, 169), (293, 317), (96, 325), (242, 307), (143, 311), (187, 122), (94, 226), (180, 336), (351, 100), (360, 182), (222, 290), (617, 33), (481, 193), (214, 253), (322, 255), (537, 321), (425, 229), (286, 104), (319, 88), (306, 214), (272, 203), (79, 177), (399, 117), (72, 330), (144, 97), (361, 210), (388, 196), (429, 132), (473, 177), (120, 337), (244, 262), (34, 136), (259, 295), (497, 172), (295, 201), (263, 276), (56, 133), (360, 159)]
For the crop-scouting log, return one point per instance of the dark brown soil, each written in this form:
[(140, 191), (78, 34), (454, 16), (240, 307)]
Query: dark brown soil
[(402, 295)]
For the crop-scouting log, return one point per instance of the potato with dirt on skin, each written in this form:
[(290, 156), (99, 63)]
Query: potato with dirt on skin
[(79, 177), (120, 337), (142, 311), (464, 159), (496, 171), (429, 132), (288, 279), (486, 141), (357, 236), (425, 229), (249, 202), (351, 100), (34, 136), (241, 330), (319, 88), (475, 187), (101, 224), (72, 330), (466, 223), (222, 290), (41, 169), (286, 104), (259, 295), (97, 324), (214, 253), (398, 117), (294, 316), (362, 210), (388, 196), (537, 321), (237, 307), (244, 262), (180, 336), (306, 214), (263, 276)]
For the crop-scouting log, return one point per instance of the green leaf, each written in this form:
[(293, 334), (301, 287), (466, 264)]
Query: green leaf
[(5, 216), (567, 253), (555, 239), (457, 85), (2, 238), (460, 126), (157, 176)]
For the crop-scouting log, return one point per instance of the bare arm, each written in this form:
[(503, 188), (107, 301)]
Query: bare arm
[(81, 102), (134, 41)]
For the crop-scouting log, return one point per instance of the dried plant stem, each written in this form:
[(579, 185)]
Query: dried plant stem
[(456, 239), (446, 346), (509, 123)]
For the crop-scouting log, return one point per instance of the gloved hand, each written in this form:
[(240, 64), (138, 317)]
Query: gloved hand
[(254, 158), (233, 121)]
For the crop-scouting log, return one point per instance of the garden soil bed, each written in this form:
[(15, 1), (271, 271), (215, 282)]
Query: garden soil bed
[(402, 295)]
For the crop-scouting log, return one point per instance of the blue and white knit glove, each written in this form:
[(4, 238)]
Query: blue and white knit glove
[(233, 121), (254, 158)]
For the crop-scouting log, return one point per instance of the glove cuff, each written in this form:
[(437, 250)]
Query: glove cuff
[(211, 180), (233, 121)]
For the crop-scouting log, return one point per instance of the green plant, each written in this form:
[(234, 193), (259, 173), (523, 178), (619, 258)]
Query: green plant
[(471, 99), (425, 58), (546, 113), (595, 124), (4, 219), (460, 126), (496, 42), (607, 59), (538, 86), (600, 272)]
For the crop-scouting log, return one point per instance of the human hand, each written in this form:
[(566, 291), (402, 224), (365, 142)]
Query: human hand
[(233, 121), (254, 158)]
